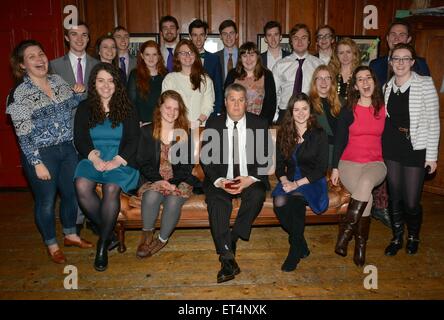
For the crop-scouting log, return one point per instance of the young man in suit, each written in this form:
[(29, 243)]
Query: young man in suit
[(233, 165), (198, 31), (127, 62), (399, 31), (169, 31), (228, 55), (292, 74), (273, 38), (75, 66)]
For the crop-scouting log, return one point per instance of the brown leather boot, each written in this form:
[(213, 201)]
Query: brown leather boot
[(146, 239), (361, 237), (349, 222), (156, 246)]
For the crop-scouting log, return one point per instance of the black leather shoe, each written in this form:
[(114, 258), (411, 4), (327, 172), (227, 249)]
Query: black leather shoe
[(382, 215), (412, 245), (228, 270), (101, 261), (114, 242)]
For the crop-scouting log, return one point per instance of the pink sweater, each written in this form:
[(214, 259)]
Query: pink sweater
[(364, 137)]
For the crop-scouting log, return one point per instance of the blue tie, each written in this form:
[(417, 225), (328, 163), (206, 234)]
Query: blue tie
[(170, 60)]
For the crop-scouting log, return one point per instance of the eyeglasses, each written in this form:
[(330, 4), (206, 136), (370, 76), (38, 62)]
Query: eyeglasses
[(328, 78), (186, 53), (401, 35), (403, 59), (325, 36)]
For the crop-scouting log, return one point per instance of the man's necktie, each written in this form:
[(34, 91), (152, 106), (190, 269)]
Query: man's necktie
[(79, 72), (202, 55), (170, 63), (230, 62), (123, 66), (236, 170), (298, 79)]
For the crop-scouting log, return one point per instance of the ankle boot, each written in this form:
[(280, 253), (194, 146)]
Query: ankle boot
[(146, 239), (101, 261), (291, 261), (414, 222), (361, 237), (348, 225), (395, 245)]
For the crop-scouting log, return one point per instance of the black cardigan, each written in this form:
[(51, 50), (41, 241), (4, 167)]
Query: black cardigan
[(345, 120), (269, 104), (312, 157), (128, 143), (148, 159)]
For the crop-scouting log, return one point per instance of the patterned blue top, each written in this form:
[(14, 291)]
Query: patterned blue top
[(40, 121)]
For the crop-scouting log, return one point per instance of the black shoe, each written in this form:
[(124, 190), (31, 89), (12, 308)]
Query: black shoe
[(305, 254), (228, 269), (292, 260), (101, 261), (113, 242), (394, 246), (412, 245), (382, 215)]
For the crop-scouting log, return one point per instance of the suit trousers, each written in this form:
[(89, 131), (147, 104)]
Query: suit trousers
[(219, 205)]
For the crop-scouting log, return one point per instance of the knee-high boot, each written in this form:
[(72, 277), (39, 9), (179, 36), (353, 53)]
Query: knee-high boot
[(348, 225), (414, 221), (361, 237), (395, 245)]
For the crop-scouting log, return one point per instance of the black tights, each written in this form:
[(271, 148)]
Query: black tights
[(405, 187), (102, 212)]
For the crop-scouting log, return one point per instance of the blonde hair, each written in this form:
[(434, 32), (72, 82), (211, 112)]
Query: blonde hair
[(335, 64), (332, 97)]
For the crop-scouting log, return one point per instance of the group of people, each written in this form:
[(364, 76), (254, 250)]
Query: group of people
[(126, 123)]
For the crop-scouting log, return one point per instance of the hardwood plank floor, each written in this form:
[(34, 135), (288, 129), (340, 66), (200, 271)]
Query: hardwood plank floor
[(186, 268)]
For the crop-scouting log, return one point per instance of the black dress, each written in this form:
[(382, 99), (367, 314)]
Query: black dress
[(396, 145)]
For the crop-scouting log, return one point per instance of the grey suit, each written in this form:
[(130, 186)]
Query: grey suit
[(132, 64), (62, 67)]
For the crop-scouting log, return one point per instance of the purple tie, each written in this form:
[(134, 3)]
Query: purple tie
[(123, 67), (79, 71), (298, 79), (170, 60)]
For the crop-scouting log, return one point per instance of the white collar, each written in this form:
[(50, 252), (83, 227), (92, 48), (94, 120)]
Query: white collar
[(73, 57), (404, 87), (240, 123)]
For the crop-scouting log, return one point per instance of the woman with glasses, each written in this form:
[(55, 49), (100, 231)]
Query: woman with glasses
[(326, 103), (325, 39), (258, 80), (410, 144), (191, 81)]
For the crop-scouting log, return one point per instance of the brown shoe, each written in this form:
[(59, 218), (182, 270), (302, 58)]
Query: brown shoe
[(146, 239), (83, 244), (57, 256), (156, 246)]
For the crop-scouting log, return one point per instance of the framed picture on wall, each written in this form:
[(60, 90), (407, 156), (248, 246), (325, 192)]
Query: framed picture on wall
[(212, 44), (368, 47), (263, 46), (136, 39)]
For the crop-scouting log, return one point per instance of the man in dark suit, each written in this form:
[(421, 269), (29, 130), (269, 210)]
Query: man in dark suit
[(75, 66), (233, 165), (398, 32), (127, 62), (198, 31), (228, 55), (273, 38)]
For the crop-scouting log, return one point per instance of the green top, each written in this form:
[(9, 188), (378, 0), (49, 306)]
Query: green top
[(145, 107)]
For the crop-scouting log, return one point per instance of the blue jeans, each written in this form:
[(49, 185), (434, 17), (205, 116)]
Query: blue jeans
[(61, 161)]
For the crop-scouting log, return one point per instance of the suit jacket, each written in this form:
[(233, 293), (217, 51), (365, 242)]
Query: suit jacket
[(265, 60), (269, 102), (219, 167), (62, 67), (132, 64), (128, 142), (380, 68), (312, 157), (220, 54), (213, 68)]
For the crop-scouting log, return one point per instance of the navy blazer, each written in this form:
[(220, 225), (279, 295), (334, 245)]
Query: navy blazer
[(380, 68), (213, 68), (264, 56)]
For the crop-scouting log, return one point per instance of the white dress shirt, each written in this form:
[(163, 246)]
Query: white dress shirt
[(271, 61), (284, 72), (74, 62)]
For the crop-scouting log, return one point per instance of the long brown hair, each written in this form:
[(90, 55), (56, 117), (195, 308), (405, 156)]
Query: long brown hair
[(246, 48), (99, 41), (288, 135), (332, 97), (335, 64), (143, 73), (119, 106), (18, 55), (354, 95), (197, 75), (181, 121)]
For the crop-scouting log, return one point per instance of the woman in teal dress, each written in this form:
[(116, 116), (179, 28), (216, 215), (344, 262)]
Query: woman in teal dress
[(106, 134)]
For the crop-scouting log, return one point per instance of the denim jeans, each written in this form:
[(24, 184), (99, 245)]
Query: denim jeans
[(61, 161)]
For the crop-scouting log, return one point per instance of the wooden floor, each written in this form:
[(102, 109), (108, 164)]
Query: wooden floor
[(186, 268)]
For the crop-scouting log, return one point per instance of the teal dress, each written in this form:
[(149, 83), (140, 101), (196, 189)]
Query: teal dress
[(107, 140)]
